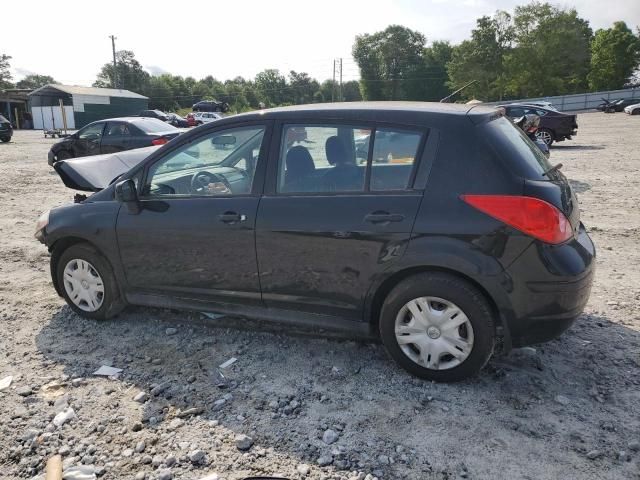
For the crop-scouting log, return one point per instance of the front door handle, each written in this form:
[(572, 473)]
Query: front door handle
[(383, 217), (231, 217)]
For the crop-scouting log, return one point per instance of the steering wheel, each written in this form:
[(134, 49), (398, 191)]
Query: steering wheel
[(201, 180)]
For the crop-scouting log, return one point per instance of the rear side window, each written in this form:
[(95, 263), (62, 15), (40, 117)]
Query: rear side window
[(321, 159), (334, 158), (512, 144), (153, 125), (394, 154)]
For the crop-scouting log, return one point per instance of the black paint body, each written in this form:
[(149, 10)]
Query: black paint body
[(316, 259)]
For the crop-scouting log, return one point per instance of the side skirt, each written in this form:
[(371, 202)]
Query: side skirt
[(276, 315)]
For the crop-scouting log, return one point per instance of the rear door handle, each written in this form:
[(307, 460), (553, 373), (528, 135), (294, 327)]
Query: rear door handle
[(383, 217), (231, 217)]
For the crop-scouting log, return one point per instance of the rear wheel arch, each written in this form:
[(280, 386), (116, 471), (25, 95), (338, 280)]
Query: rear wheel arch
[(388, 285)]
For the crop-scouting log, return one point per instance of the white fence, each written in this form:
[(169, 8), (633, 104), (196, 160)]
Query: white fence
[(49, 118), (581, 101)]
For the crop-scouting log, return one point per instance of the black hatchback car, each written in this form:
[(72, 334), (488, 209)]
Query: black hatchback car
[(113, 135), (466, 243)]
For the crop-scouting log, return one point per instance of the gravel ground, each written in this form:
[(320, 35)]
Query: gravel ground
[(307, 406)]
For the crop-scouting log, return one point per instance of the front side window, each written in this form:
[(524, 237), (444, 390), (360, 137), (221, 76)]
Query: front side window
[(220, 163), (92, 132), (334, 159)]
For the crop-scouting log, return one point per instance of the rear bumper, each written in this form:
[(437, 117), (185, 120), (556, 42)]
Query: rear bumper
[(550, 287)]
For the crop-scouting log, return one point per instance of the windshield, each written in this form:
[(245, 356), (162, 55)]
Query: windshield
[(226, 149), (513, 145)]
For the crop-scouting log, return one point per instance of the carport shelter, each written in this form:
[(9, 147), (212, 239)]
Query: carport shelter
[(82, 105)]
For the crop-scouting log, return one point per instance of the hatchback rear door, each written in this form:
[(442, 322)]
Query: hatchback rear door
[(331, 221)]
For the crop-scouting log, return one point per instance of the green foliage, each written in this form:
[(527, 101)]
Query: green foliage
[(615, 54), (129, 74), (5, 74), (552, 53), (35, 81), (390, 62)]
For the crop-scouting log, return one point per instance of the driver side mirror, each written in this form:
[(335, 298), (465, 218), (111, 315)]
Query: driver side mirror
[(126, 191)]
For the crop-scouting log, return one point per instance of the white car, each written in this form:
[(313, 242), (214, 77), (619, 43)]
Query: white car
[(632, 109), (205, 117)]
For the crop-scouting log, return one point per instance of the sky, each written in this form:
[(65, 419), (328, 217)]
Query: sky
[(225, 39)]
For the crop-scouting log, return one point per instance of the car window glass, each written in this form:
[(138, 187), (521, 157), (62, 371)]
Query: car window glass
[(91, 132), (516, 112), (220, 163), (118, 130), (321, 159), (394, 153)]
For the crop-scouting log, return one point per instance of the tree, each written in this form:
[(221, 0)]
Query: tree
[(615, 54), (129, 74), (271, 86), (482, 58), (435, 83), (34, 81), (389, 62), (302, 88), (5, 73), (551, 54), (351, 91)]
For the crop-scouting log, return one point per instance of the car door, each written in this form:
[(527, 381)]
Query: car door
[(88, 140), (194, 235), (117, 137), (328, 224)]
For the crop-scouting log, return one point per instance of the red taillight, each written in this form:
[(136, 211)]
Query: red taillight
[(531, 216), (159, 141)]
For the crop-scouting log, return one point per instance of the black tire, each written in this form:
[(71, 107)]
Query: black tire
[(457, 291), (112, 303), (546, 136), (63, 155), (635, 112)]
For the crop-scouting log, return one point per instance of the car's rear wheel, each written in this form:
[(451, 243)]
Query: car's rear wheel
[(545, 135), (438, 327), (5, 139), (87, 282)]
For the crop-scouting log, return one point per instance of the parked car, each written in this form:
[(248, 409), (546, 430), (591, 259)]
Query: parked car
[(554, 126), (6, 129), (464, 248), (544, 104), (200, 118), (210, 106), (159, 114), (177, 121), (113, 135), (632, 109), (616, 105)]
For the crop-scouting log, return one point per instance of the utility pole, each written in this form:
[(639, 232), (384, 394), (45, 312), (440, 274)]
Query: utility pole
[(340, 99), (333, 82), (114, 80)]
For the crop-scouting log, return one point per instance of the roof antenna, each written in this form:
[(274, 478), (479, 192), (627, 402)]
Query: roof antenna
[(447, 99)]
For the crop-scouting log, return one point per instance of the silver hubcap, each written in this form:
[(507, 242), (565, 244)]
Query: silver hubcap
[(83, 285), (434, 333), (544, 136)]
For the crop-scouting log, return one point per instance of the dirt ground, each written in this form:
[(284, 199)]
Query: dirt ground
[(568, 409)]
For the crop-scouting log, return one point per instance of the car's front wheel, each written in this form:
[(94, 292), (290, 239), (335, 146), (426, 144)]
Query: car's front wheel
[(63, 155), (87, 282), (438, 327)]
